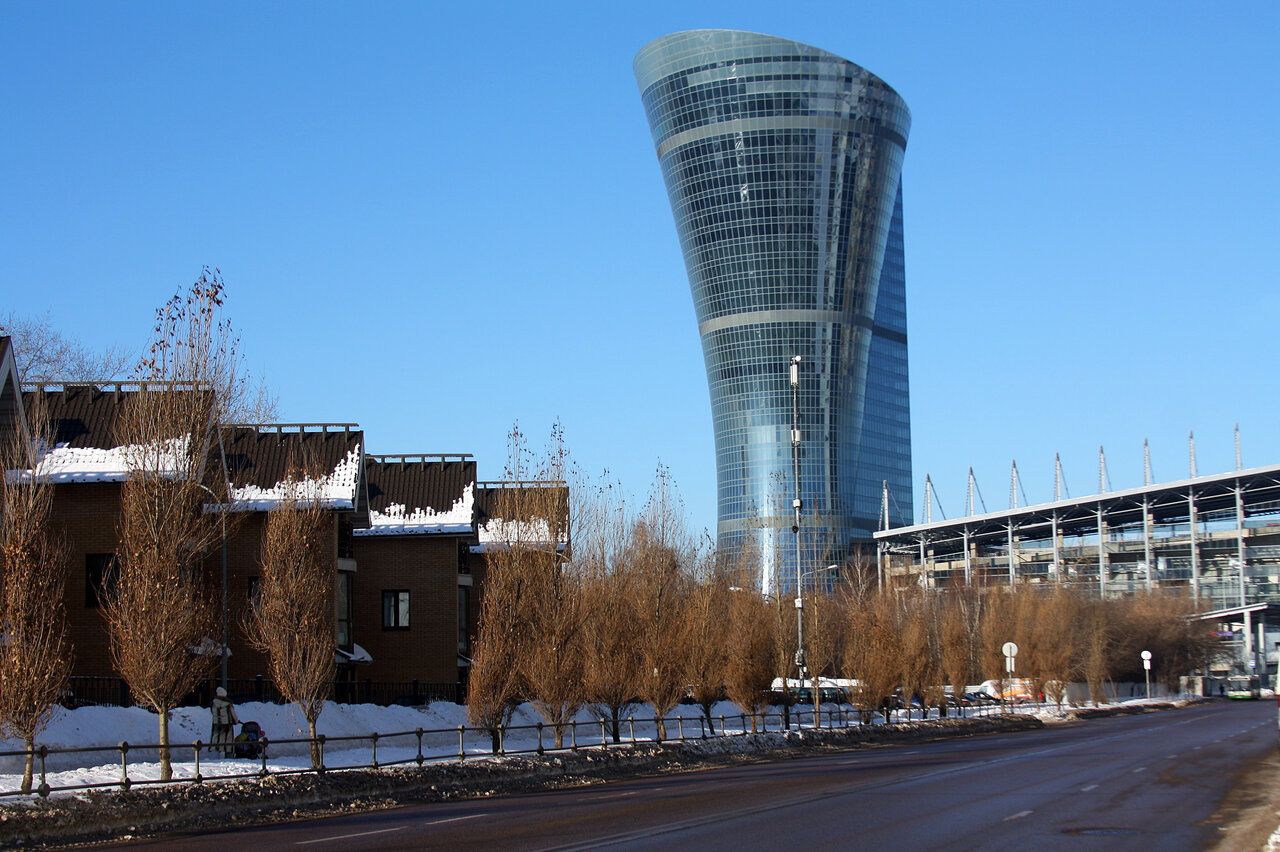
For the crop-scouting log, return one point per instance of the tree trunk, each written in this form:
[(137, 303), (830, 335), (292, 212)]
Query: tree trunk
[(166, 763), (495, 740), (615, 724), (315, 744), (28, 766), (662, 726), (558, 729), (706, 711)]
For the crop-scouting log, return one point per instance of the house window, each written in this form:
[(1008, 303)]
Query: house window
[(464, 621), (99, 577), (342, 607), (395, 609)]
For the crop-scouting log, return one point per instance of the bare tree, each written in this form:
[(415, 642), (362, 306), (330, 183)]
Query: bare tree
[(749, 641), (703, 647), (611, 660), (44, 354), (35, 653), (1057, 633), (494, 684), (160, 615), (292, 622), (659, 552)]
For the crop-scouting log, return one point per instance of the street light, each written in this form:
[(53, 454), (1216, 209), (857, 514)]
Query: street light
[(795, 505), (800, 650)]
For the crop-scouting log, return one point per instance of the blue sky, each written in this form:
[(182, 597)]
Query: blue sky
[(438, 220)]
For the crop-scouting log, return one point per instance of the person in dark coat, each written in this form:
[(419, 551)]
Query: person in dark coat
[(224, 724)]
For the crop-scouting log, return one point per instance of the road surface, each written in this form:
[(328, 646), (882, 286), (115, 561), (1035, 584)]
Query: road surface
[(1131, 782)]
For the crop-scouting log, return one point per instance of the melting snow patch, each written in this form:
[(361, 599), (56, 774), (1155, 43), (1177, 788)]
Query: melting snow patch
[(337, 490), (92, 464), (397, 520)]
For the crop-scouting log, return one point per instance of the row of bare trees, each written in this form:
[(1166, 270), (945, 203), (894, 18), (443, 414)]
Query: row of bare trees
[(639, 612)]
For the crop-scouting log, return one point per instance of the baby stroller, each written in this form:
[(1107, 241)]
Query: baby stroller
[(251, 741)]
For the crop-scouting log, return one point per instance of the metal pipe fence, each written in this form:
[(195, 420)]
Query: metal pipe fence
[(415, 747), (454, 745)]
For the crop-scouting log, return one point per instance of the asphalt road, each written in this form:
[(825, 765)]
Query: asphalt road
[(1133, 782)]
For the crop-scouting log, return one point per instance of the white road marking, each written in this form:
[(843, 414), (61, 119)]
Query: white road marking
[(1018, 815), (1087, 789), (348, 836), (1139, 769), (452, 819), (612, 796), (1170, 756), (1196, 748)]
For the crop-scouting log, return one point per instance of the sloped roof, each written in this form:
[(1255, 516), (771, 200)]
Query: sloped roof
[(261, 457), (419, 494), (12, 418)]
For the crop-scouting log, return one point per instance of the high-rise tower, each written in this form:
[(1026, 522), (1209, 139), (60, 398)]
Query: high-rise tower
[(783, 166)]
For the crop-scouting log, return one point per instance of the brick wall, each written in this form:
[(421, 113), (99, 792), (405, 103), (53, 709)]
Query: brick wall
[(87, 517), (427, 566)]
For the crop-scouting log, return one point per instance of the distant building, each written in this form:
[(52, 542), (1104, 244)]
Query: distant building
[(1215, 536), (783, 166)]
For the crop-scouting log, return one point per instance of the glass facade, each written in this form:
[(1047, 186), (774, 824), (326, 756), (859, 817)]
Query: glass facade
[(783, 163)]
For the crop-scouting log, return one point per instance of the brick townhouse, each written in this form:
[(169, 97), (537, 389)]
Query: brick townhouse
[(411, 535)]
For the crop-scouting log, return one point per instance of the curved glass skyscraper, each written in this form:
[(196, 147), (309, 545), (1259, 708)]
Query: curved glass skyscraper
[(783, 165)]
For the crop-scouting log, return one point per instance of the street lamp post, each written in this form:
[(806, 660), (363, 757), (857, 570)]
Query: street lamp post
[(816, 696), (795, 505)]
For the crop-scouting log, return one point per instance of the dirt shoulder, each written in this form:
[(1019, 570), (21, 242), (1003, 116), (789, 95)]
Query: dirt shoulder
[(1251, 811)]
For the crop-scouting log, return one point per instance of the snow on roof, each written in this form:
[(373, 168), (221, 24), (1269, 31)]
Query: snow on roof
[(336, 490), (92, 464), (499, 534), (397, 520)]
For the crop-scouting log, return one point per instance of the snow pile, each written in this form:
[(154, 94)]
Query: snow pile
[(92, 464), (396, 520), (336, 490), (497, 533)]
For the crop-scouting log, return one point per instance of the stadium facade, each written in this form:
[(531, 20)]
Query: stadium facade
[(783, 167)]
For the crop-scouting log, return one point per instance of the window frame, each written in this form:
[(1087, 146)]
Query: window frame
[(394, 597)]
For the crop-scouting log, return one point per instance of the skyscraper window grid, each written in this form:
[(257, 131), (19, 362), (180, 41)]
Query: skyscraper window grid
[(782, 163)]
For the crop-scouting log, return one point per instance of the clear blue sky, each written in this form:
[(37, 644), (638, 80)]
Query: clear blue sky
[(437, 219)]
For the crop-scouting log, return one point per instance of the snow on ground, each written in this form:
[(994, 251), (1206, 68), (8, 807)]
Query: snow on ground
[(102, 729)]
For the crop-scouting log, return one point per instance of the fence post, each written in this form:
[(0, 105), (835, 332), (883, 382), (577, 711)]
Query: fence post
[(124, 765), (197, 779), (419, 757), (573, 735), (263, 754), (502, 739), (680, 727), (319, 737), (631, 726), (744, 724), (604, 737), (702, 723), (373, 739), (539, 727), (462, 744), (723, 732), (43, 789)]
